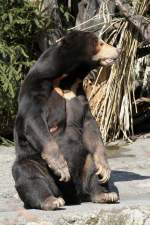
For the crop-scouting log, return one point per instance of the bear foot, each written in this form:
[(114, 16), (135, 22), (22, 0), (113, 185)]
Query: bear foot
[(110, 197), (52, 203)]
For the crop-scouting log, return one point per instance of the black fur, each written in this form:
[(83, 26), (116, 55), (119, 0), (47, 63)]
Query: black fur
[(40, 109)]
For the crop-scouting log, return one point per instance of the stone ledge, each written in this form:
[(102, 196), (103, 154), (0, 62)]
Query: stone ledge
[(79, 215), (131, 174)]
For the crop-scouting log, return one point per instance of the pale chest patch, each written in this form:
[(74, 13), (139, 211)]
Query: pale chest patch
[(66, 94)]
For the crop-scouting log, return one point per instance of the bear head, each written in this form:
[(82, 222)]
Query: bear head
[(86, 50)]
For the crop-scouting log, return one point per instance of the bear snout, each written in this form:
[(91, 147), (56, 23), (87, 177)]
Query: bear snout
[(106, 54)]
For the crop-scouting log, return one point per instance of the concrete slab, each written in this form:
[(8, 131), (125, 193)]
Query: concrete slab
[(131, 172)]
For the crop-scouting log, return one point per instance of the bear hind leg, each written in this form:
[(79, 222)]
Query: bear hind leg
[(97, 192), (36, 188)]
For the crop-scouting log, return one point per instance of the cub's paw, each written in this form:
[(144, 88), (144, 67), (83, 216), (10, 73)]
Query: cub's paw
[(110, 197), (103, 172), (52, 203), (58, 165)]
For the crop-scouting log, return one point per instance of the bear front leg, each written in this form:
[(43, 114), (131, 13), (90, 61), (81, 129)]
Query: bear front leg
[(56, 161), (38, 135), (94, 145)]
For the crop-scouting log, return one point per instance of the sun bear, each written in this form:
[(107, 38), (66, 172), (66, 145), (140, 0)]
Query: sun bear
[(60, 156)]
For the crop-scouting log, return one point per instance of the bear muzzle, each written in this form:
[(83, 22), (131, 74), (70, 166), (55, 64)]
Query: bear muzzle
[(106, 54)]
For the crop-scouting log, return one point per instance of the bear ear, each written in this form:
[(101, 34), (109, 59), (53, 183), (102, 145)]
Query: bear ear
[(70, 37)]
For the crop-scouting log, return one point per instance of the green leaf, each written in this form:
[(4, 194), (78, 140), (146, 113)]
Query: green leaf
[(10, 18)]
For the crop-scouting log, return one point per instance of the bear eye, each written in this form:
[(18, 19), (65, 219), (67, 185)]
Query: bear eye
[(101, 44)]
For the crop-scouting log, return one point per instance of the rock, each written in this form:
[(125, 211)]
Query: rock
[(131, 173)]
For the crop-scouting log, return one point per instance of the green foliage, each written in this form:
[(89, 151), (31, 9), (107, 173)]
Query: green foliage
[(65, 13), (67, 18), (13, 61), (20, 24)]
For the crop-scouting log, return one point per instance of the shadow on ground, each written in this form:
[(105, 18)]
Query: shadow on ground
[(120, 176)]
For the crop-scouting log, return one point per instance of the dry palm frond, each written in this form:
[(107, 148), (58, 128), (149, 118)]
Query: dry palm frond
[(112, 103)]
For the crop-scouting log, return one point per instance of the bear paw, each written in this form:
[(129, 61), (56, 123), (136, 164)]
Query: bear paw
[(52, 203), (58, 165), (110, 197), (103, 172)]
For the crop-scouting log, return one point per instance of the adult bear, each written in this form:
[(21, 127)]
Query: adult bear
[(55, 133)]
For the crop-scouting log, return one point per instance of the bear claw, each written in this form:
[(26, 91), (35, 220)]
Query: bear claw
[(103, 173)]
